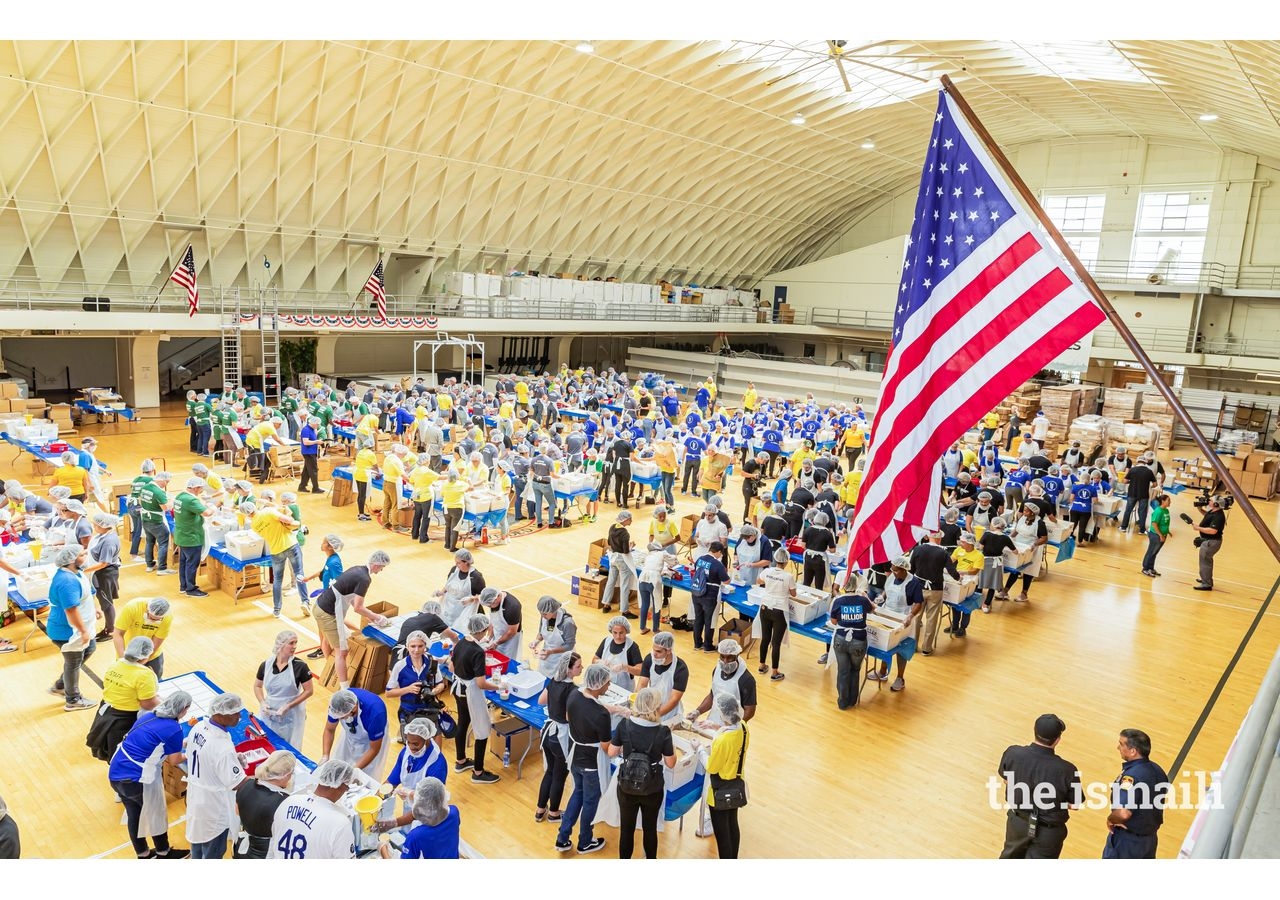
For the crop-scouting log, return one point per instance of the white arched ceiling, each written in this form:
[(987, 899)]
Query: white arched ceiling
[(640, 160)]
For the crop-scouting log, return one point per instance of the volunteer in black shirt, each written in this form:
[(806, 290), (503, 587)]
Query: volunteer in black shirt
[(950, 528), (774, 525), (928, 563), (428, 622), (848, 623), (353, 586), (589, 727), (1211, 527), (257, 799), (469, 685), (1140, 480), (669, 674), (1041, 788), (818, 539), (644, 735), (993, 543), (801, 499), (555, 736), (965, 493)]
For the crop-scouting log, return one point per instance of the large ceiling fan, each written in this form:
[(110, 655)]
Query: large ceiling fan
[(835, 52)]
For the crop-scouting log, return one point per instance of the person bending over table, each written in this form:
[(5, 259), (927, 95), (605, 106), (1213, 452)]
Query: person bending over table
[(904, 595), (257, 800), (135, 775)]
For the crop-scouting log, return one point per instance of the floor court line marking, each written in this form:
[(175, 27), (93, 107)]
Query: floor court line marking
[(542, 572), (126, 844), (1208, 601), (283, 618), (543, 578), (1137, 561)]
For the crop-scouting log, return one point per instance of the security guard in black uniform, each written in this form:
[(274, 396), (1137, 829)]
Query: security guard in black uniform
[(1037, 822), (1138, 798)]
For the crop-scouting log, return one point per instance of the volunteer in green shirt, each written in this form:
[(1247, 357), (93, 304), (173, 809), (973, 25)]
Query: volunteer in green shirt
[(290, 500), (133, 507), (201, 412), (152, 504), (1157, 533), (189, 513), (289, 406), (191, 421)]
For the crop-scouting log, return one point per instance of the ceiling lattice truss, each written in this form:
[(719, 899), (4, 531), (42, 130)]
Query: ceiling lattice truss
[(643, 159)]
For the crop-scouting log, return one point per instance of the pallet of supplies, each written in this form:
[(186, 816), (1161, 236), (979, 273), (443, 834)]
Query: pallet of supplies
[(1120, 403)]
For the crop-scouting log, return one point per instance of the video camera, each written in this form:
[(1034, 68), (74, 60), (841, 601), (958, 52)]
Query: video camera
[(1225, 501)]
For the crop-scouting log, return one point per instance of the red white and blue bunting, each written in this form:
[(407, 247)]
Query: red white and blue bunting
[(398, 323)]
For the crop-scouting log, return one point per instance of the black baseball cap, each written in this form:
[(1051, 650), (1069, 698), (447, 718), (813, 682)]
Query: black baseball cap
[(1049, 728)]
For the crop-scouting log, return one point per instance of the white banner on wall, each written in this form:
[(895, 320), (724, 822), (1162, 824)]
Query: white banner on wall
[(1075, 358)]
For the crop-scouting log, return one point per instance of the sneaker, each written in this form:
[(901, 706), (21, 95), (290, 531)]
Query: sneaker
[(947, 630), (485, 778), (306, 610), (1002, 595), (986, 609), (1021, 598), (364, 518), (1203, 587), (56, 691), (167, 572), (135, 557), (962, 633), (173, 854), (876, 676), (597, 844), (822, 660), (463, 765), (196, 592), (82, 703), (897, 685), (275, 613), (316, 654), (151, 568), (1155, 573), (777, 676), (629, 615), (564, 846)]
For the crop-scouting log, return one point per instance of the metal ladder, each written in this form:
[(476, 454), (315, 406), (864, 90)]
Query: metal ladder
[(230, 299), (269, 331)]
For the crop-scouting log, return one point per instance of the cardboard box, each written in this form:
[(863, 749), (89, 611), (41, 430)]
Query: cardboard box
[(383, 608), (596, 552), (174, 779), (342, 494), (1259, 462), (590, 587), (687, 524), (8, 389), (513, 738), (885, 630), (1243, 449), (740, 630), (1236, 463)]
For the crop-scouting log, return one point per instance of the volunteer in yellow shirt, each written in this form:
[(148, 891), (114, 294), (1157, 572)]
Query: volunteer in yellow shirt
[(502, 485), (393, 476), (664, 455), (128, 686), (279, 532), (367, 430), (70, 475), (364, 461), (421, 480), (969, 561), (852, 442), (726, 763), (798, 456), (711, 474), (990, 422), (452, 494), (522, 394), (149, 618), (749, 398)]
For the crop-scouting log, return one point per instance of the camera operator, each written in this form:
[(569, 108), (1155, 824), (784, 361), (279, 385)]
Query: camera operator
[(1209, 539)]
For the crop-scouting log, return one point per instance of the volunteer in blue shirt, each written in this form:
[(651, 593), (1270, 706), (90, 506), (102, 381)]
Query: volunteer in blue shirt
[(358, 719), (410, 675), (438, 833), (848, 623), (1082, 497), (71, 618), (904, 595), (419, 760), (331, 546), (310, 440), (694, 447), (671, 404), (134, 774), (704, 584), (772, 445), (1138, 797)]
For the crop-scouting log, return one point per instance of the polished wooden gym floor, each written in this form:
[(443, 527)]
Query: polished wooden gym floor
[(902, 775)]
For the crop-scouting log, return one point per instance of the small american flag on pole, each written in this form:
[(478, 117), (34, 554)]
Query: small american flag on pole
[(985, 302), (376, 287), (185, 276)]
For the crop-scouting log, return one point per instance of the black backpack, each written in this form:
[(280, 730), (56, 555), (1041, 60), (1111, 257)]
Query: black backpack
[(638, 775)]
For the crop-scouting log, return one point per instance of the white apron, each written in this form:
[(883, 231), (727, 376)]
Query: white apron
[(410, 780), (552, 638), (472, 694), (609, 812), (1024, 535), (624, 679), (509, 648), (351, 745), (278, 690), (980, 518), (456, 608), (155, 807), (895, 596), (664, 683), (721, 686), (747, 554)]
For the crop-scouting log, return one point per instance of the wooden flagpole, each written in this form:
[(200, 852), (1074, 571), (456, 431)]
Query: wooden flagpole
[(1029, 199)]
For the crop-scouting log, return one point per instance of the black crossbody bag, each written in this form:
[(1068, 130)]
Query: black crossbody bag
[(732, 793)]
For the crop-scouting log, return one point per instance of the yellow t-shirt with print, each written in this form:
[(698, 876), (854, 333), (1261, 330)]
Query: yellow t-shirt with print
[(453, 493), (133, 622), (421, 479), (278, 536), (364, 461), (125, 683)]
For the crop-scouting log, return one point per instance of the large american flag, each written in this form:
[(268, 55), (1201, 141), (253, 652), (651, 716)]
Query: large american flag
[(986, 301), (376, 287), (185, 276)]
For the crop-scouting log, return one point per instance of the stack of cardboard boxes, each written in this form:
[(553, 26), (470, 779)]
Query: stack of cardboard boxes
[(368, 661), (1255, 470)]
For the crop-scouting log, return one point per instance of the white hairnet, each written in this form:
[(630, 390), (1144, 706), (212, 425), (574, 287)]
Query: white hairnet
[(664, 639), (226, 704), (342, 704), (432, 606), (729, 708), (430, 801), (66, 555), (596, 676), (423, 728), (416, 636), (280, 764), (729, 647), (283, 638), (139, 649), (548, 604), (335, 773), (158, 606), (620, 621), (477, 624), (564, 664), (173, 706), (334, 541)]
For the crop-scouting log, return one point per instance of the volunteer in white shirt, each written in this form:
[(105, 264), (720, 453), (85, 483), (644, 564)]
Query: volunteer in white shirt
[(312, 825), (708, 531), (214, 772), (779, 588)]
